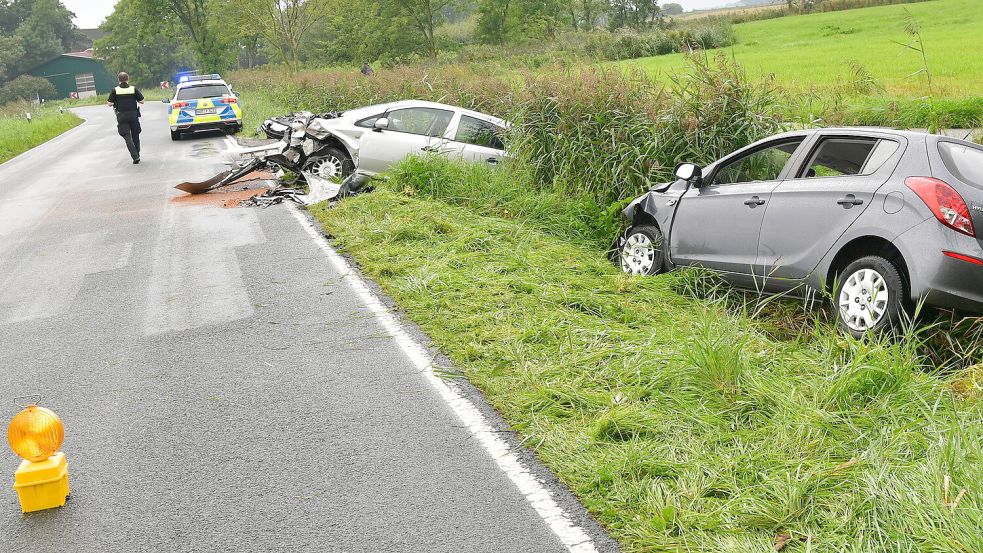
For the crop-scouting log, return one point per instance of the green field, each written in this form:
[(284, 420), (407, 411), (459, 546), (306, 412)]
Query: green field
[(17, 135), (815, 52)]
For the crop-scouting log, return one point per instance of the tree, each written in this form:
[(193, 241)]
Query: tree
[(11, 54), (672, 9), (505, 20), (196, 16), (283, 24), (636, 14), (148, 47), (27, 87), (426, 15), (360, 31), (589, 11), (34, 31)]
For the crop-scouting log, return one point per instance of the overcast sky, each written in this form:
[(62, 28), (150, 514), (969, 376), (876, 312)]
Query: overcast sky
[(91, 13)]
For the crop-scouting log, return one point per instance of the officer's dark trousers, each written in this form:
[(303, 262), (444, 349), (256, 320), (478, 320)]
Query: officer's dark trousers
[(128, 123)]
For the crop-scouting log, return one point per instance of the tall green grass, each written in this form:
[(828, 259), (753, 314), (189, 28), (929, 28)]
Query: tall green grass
[(679, 422), (17, 135), (587, 139)]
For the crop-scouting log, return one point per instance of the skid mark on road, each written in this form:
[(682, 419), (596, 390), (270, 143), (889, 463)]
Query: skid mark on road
[(574, 537), (46, 283), (196, 279)]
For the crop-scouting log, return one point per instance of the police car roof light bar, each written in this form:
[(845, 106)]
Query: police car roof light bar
[(191, 78)]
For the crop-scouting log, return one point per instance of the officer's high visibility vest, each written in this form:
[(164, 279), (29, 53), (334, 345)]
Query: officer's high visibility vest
[(127, 90)]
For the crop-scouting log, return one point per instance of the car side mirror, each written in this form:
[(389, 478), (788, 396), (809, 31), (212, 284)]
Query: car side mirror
[(689, 172), (381, 124)]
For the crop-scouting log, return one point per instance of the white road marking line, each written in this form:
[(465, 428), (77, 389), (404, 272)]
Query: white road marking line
[(574, 537), (232, 143)]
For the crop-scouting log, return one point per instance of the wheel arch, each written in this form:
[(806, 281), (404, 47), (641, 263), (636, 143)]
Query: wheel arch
[(332, 141), (863, 246)]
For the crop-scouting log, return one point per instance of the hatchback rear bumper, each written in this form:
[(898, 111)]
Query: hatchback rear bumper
[(938, 279)]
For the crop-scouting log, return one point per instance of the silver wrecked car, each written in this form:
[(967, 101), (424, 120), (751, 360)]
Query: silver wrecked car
[(372, 138), (882, 219)]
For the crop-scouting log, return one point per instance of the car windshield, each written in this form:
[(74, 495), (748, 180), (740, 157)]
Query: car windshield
[(200, 91)]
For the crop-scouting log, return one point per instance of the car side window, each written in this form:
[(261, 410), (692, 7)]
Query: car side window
[(368, 122), (480, 133), (764, 164), (964, 162), (422, 121), (837, 157)]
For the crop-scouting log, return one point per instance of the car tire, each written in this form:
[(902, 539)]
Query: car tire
[(333, 156), (175, 135), (869, 296), (643, 251)]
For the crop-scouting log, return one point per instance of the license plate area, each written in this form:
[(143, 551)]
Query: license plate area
[(206, 111)]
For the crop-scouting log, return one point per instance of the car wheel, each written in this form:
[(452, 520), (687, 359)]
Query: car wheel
[(331, 164), (175, 135), (869, 296), (643, 251)]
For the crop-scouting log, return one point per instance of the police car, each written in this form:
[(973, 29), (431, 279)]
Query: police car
[(203, 103)]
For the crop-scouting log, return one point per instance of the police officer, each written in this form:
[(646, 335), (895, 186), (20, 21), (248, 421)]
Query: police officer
[(126, 100)]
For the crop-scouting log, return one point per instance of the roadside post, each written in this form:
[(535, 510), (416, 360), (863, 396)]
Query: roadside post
[(41, 481)]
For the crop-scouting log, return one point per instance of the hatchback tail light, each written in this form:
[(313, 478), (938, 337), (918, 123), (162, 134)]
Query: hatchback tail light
[(227, 101), (947, 205), (178, 105)]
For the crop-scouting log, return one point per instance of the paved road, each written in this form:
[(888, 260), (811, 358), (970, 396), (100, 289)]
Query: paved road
[(224, 388)]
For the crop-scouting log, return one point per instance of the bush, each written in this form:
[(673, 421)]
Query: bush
[(27, 87), (624, 45)]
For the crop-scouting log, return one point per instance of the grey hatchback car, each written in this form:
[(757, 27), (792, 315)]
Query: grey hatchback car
[(881, 219)]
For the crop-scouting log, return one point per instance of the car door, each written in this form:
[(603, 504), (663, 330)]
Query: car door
[(819, 201), (717, 224), (477, 140), (412, 130)]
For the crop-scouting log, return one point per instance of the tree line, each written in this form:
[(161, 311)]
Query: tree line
[(33, 32), (151, 38)]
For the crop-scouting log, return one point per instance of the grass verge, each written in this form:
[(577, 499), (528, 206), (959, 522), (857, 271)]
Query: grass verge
[(17, 135), (679, 423)]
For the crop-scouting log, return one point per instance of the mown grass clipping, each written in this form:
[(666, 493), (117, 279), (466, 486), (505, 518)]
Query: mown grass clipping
[(677, 421)]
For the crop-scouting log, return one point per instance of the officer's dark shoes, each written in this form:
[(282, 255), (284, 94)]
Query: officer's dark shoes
[(136, 161)]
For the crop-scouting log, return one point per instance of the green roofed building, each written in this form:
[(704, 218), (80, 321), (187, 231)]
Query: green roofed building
[(76, 72)]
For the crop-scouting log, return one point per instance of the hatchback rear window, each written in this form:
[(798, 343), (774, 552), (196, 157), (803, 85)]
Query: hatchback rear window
[(203, 91), (965, 162)]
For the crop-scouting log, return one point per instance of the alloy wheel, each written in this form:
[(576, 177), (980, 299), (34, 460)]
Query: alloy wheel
[(864, 300), (327, 167), (638, 255)]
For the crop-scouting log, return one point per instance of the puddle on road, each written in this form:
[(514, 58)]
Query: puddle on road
[(204, 149)]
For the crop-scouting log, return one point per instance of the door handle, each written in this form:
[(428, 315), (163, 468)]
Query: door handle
[(754, 201), (849, 200), (430, 149), (492, 160)]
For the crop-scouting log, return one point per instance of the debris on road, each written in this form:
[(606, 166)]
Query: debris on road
[(221, 179)]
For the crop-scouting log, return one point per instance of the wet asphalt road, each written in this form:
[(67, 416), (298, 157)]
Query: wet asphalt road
[(222, 388)]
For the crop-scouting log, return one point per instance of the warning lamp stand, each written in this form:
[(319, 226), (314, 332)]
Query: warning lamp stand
[(42, 485), (41, 481)]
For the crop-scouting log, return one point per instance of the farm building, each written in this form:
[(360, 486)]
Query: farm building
[(77, 72)]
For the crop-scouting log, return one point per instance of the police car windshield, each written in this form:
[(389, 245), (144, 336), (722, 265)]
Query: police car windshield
[(199, 91)]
